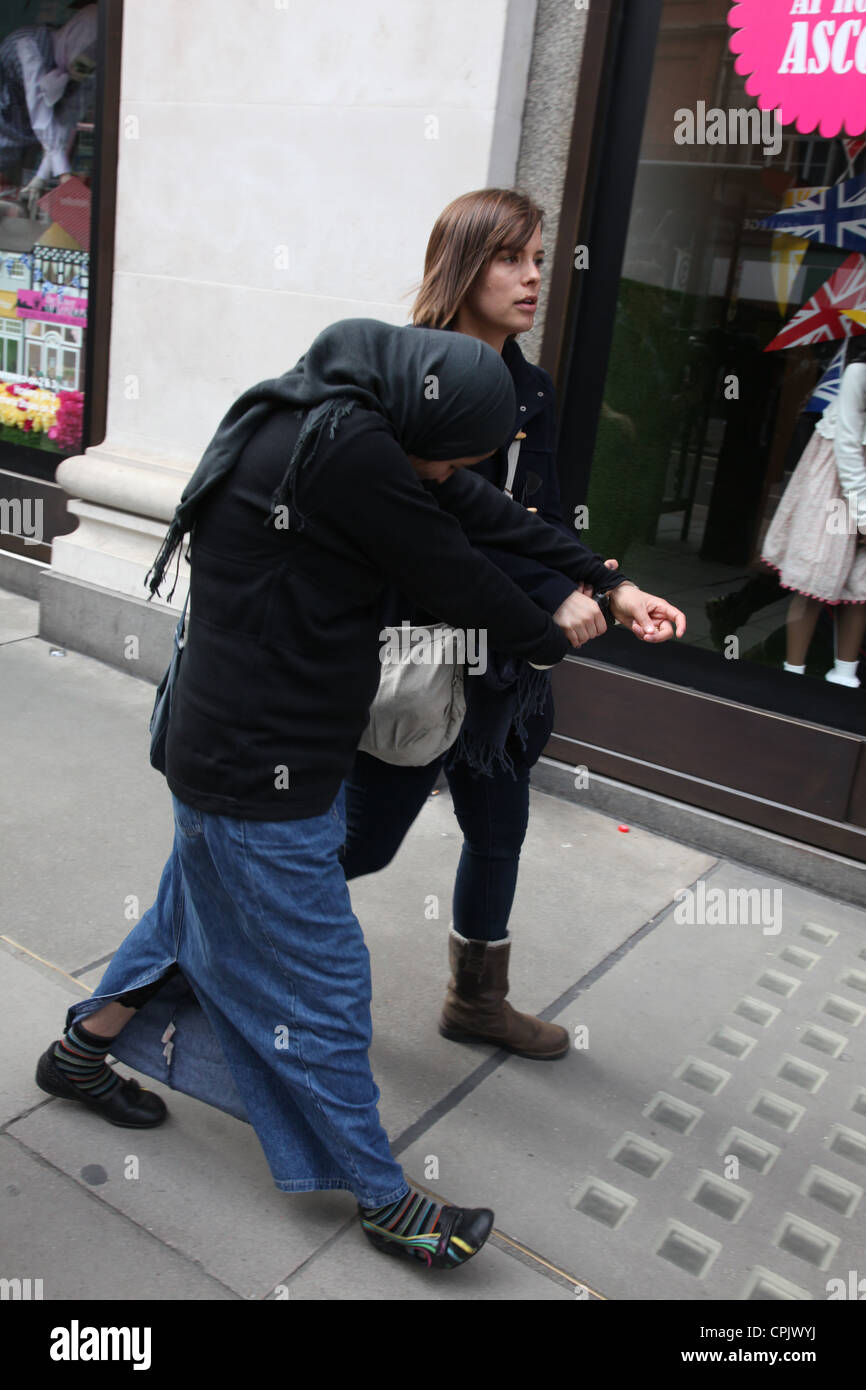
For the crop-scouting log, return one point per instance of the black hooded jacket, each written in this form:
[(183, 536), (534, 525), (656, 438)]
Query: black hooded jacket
[(282, 655)]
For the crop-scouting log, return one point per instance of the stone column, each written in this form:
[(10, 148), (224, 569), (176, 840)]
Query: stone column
[(280, 166)]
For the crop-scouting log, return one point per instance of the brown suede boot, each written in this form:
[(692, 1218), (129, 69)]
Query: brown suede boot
[(476, 1009)]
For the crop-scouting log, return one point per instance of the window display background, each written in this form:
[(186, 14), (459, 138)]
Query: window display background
[(684, 482), (44, 275)]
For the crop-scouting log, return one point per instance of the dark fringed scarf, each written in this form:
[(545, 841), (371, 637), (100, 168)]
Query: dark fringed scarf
[(247, 414), (503, 698), (380, 367)]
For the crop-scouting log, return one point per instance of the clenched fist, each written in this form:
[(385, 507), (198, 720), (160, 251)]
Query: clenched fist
[(580, 618)]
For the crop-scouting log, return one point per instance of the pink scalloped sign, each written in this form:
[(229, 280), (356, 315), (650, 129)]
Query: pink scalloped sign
[(806, 59)]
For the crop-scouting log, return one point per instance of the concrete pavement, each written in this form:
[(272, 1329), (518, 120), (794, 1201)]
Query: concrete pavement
[(704, 1139)]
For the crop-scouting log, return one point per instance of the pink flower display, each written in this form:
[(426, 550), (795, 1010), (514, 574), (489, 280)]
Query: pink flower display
[(803, 60), (68, 428)]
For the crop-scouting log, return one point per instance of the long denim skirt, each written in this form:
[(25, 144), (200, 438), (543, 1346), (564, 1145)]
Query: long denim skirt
[(266, 1014)]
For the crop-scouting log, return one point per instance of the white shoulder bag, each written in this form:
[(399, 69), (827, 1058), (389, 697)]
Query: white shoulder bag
[(420, 703)]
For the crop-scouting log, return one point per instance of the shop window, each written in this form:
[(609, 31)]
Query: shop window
[(48, 52), (715, 390)]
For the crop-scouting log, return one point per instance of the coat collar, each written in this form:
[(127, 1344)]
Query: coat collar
[(530, 387)]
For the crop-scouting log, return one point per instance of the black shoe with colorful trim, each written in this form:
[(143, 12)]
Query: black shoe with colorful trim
[(441, 1237)]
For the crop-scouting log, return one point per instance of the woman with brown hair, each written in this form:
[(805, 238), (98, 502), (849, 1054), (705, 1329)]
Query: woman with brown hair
[(482, 275)]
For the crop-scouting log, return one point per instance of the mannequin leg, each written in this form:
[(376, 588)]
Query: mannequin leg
[(850, 631), (802, 619)]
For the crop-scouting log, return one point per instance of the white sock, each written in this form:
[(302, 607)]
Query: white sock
[(846, 668), (798, 670)]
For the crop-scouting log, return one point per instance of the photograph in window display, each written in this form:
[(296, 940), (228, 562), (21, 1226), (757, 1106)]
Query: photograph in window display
[(47, 95), (46, 84), (816, 538)]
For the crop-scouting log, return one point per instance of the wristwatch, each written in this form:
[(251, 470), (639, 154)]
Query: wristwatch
[(603, 601)]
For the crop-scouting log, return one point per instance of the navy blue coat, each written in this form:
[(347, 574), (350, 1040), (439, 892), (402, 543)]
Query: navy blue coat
[(535, 483)]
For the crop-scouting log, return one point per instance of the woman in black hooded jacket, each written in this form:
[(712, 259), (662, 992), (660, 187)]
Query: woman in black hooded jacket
[(247, 983)]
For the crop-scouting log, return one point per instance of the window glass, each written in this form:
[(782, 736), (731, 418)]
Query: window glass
[(718, 479), (48, 54)]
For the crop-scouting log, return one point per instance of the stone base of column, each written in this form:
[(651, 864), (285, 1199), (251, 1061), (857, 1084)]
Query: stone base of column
[(94, 598), (114, 550), (123, 506)]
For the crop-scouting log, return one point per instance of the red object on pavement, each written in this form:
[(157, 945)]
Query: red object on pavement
[(623, 828)]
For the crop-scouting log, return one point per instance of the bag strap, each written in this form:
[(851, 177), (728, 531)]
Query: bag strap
[(513, 455)]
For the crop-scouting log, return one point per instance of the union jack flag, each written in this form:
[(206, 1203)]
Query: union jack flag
[(823, 319), (835, 216), (828, 387), (787, 253)]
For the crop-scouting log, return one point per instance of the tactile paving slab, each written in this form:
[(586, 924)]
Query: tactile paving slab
[(707, 1138)]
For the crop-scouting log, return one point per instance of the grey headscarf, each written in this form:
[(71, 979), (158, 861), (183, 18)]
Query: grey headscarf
[(446, 394)]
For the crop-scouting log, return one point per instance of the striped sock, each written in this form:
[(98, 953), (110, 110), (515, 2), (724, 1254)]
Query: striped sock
[(80, 1056), (413, 1220)]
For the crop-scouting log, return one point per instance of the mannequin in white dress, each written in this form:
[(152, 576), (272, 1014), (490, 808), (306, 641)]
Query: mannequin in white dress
[(817, 536)]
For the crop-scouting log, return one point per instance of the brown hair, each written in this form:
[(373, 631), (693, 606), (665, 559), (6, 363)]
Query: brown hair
[(465, 237)]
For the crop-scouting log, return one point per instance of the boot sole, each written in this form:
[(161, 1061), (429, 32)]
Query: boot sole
[(454, 1036)]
